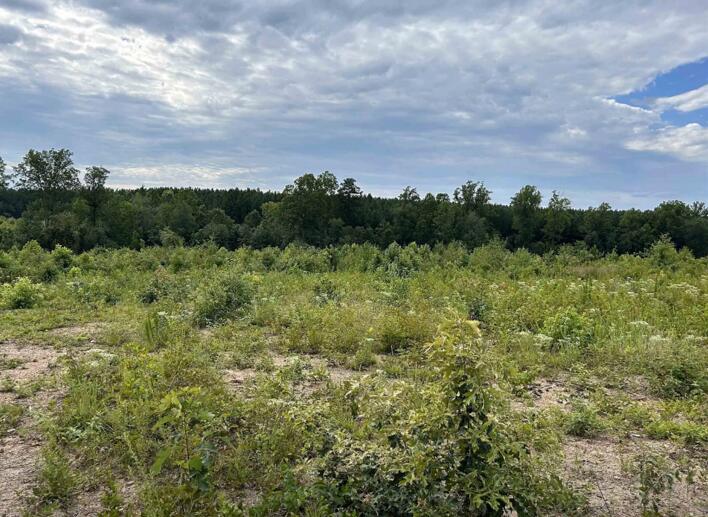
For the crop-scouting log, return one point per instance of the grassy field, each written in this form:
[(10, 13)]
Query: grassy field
[(200, 381)]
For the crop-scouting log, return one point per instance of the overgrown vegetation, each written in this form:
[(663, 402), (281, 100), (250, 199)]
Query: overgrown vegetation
[(355, 380)]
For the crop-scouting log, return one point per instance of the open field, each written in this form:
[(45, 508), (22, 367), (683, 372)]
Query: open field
[(349, 380)]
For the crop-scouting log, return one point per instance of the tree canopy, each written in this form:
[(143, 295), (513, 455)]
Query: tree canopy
[(44, 201)]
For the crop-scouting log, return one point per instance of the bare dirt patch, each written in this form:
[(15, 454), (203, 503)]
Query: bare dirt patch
[(18, 463), (34, 361), (85, 330), (549, 393), (89, 502), (596, 466), (19, 451), (238, 378)]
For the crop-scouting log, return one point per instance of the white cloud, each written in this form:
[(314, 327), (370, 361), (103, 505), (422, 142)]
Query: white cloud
[(689, 101), (689, 142)]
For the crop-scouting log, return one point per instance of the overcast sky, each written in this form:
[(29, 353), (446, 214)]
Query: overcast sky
[(601, 100)]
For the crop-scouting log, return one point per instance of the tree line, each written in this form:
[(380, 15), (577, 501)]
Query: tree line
[(43, 199)]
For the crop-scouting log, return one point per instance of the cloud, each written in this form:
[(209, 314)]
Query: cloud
[(689, 142), (9, 34), (395, 92), (689, 101)]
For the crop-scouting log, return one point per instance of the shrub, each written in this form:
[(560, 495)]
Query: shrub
[(326, 291), (63, 257), (56, 482), (583, 422), (160, 285), (678, 377), (362, 359), (402, 330), (10, 416), (568, 329), (170, 239), (663, 254), (23, 294), (96, 290), (656, 476), (220, 298), (445, 448)]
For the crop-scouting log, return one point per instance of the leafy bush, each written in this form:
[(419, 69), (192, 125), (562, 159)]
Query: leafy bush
[(404, 261), (160, 285), (679, 378), (23, 294), (402, 330), (221, 297), (63, 257), (56, 482), (10, 416), (583, 422), (326, 291), (445, 448), (568, 329), (656, 476), (96, 290)]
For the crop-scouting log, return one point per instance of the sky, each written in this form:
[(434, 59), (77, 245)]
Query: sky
[(598, 99)]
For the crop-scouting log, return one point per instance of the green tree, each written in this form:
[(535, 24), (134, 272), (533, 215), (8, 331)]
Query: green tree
[(558, 219), (409, 194), (599, 226), (308, 206), (95, 189), (47, 171), (472, 195), (349, 189), (525, 207), (4, 179)]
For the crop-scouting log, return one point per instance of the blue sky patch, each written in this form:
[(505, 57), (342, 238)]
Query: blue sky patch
[(682, 79)]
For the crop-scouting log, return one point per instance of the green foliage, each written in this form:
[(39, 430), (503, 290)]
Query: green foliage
[(157, 330), (56, 483), (445, 448), (583, 422), (656, 476), (95, 290), (404, 408), (10, 416), (23, 294), (221, 297), (568, 329)]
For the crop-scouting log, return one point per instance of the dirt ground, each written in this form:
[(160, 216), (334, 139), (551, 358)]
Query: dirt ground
[(20, 448)]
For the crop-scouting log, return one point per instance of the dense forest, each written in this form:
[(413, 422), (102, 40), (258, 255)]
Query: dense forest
[(43, 199)]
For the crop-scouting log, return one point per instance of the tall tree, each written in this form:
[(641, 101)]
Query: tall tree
[(4, 179), (525, 207), (557, 219), (600, 227), (47, 171), (95, 188), (308, 206), (409, 194), (349, 189), (472, 195)]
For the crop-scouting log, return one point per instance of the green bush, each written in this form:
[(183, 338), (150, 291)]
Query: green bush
[(221, 297), (568, 329), (445, 448), (10, 416), (23, 294), (62, 257), (583, 422), (56, 484)]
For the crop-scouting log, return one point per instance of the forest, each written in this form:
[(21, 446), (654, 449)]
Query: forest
[(43, 199)]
